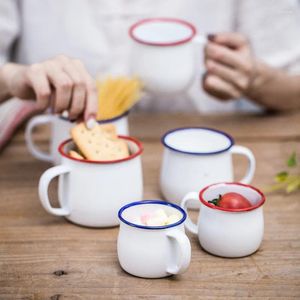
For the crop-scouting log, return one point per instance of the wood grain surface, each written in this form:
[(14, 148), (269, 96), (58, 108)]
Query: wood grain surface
[(46, 257)]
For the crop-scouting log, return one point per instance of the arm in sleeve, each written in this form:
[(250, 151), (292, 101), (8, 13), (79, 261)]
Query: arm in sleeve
[(273, 28), (9, 31), (9, 28)]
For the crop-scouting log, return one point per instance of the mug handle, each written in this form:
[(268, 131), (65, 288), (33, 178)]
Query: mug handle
[(43, 190), (35, 121), (184, 249), (236, 149), (189, 224), (199, 40)]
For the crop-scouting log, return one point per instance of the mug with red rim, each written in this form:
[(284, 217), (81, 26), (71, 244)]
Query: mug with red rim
[(227, 232), (163, 53), (90, 193), (60, 131)]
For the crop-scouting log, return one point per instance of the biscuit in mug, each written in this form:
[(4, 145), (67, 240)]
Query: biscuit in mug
[(99, 143)]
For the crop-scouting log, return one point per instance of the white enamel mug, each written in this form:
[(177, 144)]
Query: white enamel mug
[(152, 251), (227, 232), (90, 193), (163, 54), (195, 157), (60, 131)]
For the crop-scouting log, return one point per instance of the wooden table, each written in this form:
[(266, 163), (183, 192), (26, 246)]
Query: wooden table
[(46, 257)]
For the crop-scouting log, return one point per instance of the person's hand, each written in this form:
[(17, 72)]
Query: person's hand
[(230, 66), (61, 83)]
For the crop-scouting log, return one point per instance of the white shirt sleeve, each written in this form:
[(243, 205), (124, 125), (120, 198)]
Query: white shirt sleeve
[(9, 28), (273, 27)]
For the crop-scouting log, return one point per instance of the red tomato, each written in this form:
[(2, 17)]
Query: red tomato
[(232, 201)]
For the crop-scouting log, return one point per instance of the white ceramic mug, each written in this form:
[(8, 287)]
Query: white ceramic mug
[(90, 193), (195, 157), (60, 131), (152, 251), (227, 232), (163, 54)]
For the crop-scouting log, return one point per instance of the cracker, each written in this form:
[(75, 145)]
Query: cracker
[(110, 129), (75, 154), (98, 144)]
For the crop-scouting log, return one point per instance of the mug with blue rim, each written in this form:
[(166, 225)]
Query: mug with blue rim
[(152, 251), (195, 157), (60, 131)]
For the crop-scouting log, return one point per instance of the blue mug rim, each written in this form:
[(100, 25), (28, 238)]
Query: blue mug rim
[(101, 121), (229, 137), (143, 202)]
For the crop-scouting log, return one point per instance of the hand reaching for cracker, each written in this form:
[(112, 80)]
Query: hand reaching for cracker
[(61, 83)]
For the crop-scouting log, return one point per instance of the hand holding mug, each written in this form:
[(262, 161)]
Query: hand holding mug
[(230, 66), (61, 82), (163, 54)]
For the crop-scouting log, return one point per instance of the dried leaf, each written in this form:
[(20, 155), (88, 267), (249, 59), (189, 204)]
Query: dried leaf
[(281, 177), (292, 161), (293, 185)]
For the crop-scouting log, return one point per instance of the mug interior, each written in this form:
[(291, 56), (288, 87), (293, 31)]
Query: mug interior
[(197, 140), (130, 213), (162, 31), (135, 149), (255, 196), (116, 118)]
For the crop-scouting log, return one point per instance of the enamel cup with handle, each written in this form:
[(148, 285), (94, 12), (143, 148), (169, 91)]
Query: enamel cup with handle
[(195, 157), (60, 131), (227, 232), (163, 54), (90, 193), (152, 251)]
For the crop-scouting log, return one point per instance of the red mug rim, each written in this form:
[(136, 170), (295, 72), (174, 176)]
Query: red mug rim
[(128, 138), (260, 203), (173, 20)]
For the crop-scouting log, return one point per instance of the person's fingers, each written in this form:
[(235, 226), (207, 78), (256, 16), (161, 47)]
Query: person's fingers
[(62, 83), (226, 56), (230, 39), (91, 107), (212, 92), (91, 101), (77, 104), (37, 79), (228, 74), (219, 88)]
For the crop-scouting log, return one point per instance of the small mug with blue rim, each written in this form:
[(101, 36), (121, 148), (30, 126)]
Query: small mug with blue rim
[(152, 251)]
